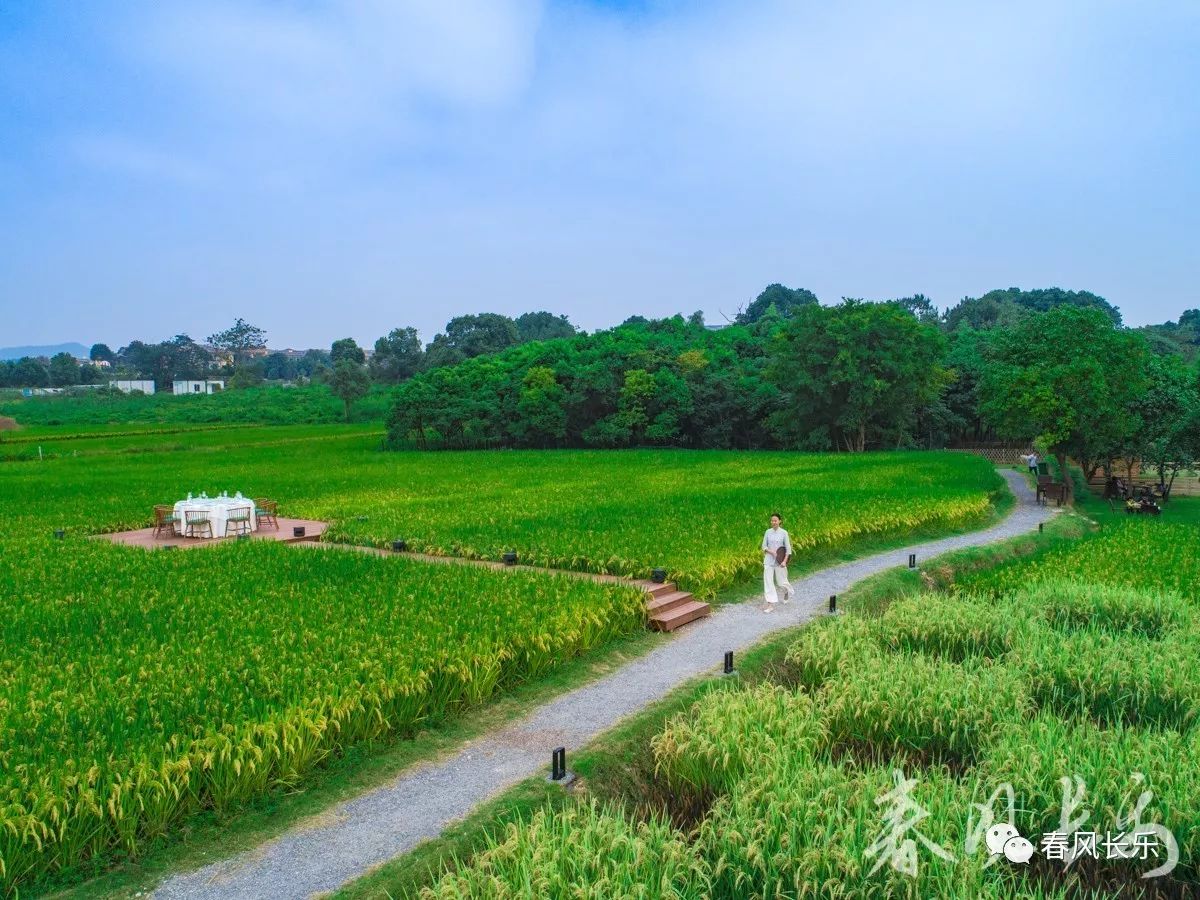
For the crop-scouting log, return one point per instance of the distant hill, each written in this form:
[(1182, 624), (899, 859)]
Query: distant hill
[(48, 350)]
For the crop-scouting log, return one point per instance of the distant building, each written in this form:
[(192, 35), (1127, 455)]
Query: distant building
[(198, 386), (146, 386)]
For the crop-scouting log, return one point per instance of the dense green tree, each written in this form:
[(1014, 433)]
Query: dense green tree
[(240, 339), (1168, 441), (854, 375), (921, 307), (64, 370), (635, 384), (1006, 308), (543, 326), (1070, 380), (101, 353), (347, 349), (247, 375), (398, 356), (475, 335), (349, 382), (785, 300), (30, 372), (542, 412)]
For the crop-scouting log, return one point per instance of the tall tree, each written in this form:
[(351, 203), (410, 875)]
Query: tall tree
[(543, 417), (1069, 380), (349, 382), (1169, 440), (543, 326), (63, 370), (30, 372), (239, 340), (347, 349), (398, 356), (855, 375), (102, 353), (785, 300), (475, 335)]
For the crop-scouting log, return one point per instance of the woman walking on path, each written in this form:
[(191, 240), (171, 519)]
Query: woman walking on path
[(775, 563)]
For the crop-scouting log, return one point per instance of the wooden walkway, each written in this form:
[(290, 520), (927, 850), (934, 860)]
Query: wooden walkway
[(285, 533)]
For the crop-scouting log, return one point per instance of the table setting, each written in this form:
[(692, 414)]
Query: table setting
[(218, 511)]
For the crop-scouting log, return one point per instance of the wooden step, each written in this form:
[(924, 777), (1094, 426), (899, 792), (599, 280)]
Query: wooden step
[(659, 603), (679, 615), (655, 590)]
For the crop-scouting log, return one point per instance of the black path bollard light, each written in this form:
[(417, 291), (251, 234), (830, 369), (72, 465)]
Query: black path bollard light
[(298, 531), (399, 546), (833, 603), (510, 558), (60, 533), (1041, 525), (912, 560), (658, 576), (558, 768), (728, 662)]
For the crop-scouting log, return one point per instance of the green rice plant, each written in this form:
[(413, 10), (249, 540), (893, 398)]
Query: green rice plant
[(1113, 677), (831, 646), (585, 851), (729, 732), (953, 627), (820, 831), (1072, 604), (138, 688), (1141, 553), (903, 702), (1048, 748)]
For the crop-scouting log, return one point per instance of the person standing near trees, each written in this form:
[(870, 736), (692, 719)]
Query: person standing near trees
[(777, 550), (1032, 460)]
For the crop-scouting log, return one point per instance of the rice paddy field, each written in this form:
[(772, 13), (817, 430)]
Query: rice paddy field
[(950, 712), (700, 515), (138, 688)]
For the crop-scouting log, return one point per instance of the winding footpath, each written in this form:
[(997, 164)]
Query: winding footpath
[(355, 836)]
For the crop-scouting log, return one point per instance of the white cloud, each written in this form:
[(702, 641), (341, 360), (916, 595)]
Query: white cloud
[(344, 64)]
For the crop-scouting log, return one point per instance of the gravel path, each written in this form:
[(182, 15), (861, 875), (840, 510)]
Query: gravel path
[(321, 855)]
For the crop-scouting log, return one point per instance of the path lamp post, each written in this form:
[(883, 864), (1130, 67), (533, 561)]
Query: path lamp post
[(510, 558), (658, 576), (558, 768)]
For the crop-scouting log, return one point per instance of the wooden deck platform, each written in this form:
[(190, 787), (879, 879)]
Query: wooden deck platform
[(144, 537)]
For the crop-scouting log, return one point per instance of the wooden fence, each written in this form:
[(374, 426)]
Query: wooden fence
[(994, 453), (1187, 483)]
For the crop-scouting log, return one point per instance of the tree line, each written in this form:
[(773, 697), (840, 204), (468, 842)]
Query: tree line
[(1051, 367)]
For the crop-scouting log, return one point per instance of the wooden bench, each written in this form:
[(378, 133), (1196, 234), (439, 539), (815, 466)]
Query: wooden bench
[(1055, 489)]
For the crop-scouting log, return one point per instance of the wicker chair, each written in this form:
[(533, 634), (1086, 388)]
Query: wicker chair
[(238, 521), (164, 520), (267, 512), (197, 520)]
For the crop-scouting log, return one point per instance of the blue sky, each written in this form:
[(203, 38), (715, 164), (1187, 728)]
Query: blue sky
[(342, 167)]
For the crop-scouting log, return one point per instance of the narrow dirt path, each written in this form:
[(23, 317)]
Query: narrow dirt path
[(355, 836)]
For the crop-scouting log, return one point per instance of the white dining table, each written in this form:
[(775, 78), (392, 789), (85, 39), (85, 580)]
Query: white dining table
[(218, 508)]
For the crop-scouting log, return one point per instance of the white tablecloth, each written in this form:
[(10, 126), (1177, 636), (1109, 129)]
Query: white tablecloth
[(218, 509)]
